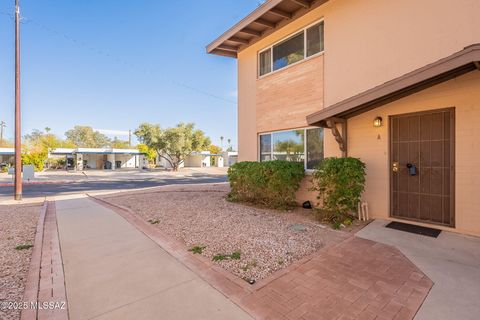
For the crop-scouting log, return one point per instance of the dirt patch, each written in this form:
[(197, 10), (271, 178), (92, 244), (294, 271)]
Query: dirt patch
[(250, 242), (18, 224)]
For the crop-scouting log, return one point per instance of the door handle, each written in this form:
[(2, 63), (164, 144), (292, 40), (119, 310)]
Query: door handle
[(395, 167)]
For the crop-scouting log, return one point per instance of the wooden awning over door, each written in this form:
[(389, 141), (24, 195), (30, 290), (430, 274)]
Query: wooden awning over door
[(457, 64)]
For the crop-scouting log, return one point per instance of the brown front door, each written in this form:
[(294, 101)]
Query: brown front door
[(422, 166)]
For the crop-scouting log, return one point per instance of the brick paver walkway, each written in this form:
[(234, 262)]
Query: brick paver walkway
[(46, 283), (355, 279)]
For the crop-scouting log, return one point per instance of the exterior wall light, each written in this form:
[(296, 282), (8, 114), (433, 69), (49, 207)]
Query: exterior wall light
[(377, 122)]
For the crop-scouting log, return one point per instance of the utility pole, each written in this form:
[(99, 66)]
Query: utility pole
[(18, 137), (2, 127), (129, 138)]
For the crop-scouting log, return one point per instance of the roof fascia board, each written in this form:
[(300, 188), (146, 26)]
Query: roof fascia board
[(257, 13)]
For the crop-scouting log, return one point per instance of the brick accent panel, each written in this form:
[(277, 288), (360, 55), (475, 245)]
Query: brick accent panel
[(285, 98)]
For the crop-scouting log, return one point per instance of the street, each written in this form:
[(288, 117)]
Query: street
[(108, 182)]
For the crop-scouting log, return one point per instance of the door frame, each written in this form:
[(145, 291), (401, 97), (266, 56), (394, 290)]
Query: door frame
[(452, 165)]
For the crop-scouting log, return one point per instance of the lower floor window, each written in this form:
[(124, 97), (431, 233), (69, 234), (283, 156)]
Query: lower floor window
[(302, 145)]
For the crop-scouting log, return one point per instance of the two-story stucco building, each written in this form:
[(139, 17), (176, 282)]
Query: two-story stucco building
[(394, 83)]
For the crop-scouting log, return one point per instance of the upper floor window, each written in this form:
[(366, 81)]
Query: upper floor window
[(300, 46)]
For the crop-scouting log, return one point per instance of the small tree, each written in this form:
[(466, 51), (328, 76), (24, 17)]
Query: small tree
[(86, 137), (6, 144), (149, 153), (214, 150), (119, 144), (173, 144), (35, 158), (37, 146)]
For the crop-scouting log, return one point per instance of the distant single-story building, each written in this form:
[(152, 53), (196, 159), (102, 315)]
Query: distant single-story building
[(100, 158), (194, 160), (230, 158), (203, 159), (6, 156)]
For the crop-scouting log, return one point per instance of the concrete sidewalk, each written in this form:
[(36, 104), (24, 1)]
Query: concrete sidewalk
[(62, 176), (451, 261), (113, 271)]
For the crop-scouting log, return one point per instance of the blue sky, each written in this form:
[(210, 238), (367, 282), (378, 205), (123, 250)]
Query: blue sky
[(113, 64)]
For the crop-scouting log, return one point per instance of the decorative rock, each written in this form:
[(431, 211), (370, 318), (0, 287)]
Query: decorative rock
[(298, 227), (200, 214)]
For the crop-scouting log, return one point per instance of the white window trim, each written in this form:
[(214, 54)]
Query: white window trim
[(291, 35), (259, 154)]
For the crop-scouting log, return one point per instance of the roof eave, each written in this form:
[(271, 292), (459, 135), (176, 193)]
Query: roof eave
[(257, 13), (263, 21)]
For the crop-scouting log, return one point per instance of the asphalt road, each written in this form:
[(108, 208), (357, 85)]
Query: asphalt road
[(41, 190)]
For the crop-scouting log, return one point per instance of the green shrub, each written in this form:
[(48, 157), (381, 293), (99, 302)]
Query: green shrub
[(340, 183), (272, 183), (197, 249), (233, 256), (24, 247), (154, 221), (37, 159), (220, 257), (56, 163)]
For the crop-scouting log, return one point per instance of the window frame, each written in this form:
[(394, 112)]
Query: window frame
[(286, 38), (287, 130)]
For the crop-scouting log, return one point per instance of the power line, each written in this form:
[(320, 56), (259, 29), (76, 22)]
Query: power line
[(50, 30)]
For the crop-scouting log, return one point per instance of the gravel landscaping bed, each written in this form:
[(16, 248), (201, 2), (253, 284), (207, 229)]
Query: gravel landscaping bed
[(248, 241), (18, 224)]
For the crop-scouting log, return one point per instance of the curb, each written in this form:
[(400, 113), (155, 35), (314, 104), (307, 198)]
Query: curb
[(32, 183), (33, 277), (45, 291), (232, 287)]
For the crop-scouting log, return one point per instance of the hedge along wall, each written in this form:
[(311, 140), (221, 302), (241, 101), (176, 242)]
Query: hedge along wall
[(273, 183)]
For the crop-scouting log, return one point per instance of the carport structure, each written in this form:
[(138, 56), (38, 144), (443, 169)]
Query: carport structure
[(6, 156), (100, 158)]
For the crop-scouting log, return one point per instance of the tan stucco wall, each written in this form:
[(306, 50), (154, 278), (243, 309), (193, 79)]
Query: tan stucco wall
[(367, 43), (370, 42), (247, 117), (371, 146)]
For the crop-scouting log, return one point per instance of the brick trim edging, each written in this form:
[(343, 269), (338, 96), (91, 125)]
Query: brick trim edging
[(253, 299), (46, 280), (33, 277), (232, 287)]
